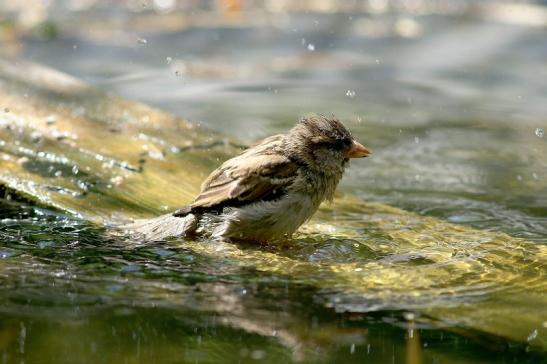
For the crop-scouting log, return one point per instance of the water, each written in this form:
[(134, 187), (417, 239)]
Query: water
[(454, 129), (73, 296)]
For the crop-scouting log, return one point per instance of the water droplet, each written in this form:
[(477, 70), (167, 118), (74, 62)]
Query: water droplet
[(311, 47), (303, 41), (539, 132), (168, 60), (164, 6), (532, 335), (177, 73), (359, 119), (409, 316), (519, 177), (377, 61), (51, 119), (535, 175), (116, 180), (417, 140), (142, 41), (352, 349), (350, 93)]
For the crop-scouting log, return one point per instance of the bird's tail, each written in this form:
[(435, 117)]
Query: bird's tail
[(161, 227)]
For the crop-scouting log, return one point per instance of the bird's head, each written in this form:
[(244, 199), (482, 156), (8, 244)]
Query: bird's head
[(324, 143)]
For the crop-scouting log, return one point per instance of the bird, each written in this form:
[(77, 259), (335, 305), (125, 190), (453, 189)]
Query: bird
[(266, 192)]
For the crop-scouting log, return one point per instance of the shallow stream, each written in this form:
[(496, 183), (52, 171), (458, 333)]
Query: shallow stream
[(451, 102)]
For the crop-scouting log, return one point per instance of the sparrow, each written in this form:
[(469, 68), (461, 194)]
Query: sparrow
[(268, 191)]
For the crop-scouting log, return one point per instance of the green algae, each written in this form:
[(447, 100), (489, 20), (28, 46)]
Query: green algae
[(68, 146)]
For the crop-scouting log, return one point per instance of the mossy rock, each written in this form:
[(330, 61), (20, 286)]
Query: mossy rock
[(66, 145)]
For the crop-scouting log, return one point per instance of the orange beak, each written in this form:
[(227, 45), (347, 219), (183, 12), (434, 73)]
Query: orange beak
[(358, 150)]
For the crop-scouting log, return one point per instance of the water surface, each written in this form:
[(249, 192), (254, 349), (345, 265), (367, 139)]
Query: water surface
[(450, 103)]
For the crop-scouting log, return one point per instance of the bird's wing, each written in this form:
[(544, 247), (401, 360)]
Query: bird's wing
[(260, 173)]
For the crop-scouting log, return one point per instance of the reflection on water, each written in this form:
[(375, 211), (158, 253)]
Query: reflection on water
[(451, 101), (70, 295)]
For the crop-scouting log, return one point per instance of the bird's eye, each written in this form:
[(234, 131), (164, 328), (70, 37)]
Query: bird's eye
[(341, 144), (338, 145)]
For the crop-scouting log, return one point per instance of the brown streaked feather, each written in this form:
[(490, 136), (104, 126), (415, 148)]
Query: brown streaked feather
[(259, 173), (256, 178)]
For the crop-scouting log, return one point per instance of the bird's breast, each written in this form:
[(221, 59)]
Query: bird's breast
[(321, 187), (268, 219)]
